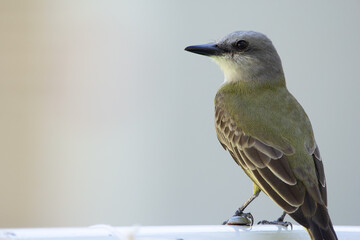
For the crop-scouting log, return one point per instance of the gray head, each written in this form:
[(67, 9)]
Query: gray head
[(244, 56)]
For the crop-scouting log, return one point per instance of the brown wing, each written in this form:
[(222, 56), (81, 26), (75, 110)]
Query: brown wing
[(304, 198), (269, 168), (314, 214), (320, 173), (266, 165)]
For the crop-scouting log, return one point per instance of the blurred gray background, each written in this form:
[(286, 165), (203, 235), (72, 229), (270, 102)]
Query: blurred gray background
[(106, 119)]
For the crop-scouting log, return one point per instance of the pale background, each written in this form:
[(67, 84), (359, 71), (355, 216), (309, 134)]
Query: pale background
[(106, 119)]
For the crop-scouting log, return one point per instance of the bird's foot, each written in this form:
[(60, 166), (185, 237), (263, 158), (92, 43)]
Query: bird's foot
[(285, 224), (240, 218)]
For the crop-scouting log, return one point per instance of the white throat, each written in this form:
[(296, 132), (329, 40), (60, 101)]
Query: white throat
[(234, 71), (247, 69)]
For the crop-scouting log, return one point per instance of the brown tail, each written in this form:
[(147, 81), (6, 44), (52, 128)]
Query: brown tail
[(319, 225)]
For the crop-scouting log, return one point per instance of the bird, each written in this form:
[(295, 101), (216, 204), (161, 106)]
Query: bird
[(267, 132)]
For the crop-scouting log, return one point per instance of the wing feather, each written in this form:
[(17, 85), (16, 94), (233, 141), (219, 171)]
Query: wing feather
[(281, 169), (268, 150), (290, 193), (309, 206), (246, 160), (319, 166), (259, 159), (269, 168), (320, 174), (265, 164), (272, 194)]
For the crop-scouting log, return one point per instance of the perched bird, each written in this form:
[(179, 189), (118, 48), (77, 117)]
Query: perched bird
[(267, 132)]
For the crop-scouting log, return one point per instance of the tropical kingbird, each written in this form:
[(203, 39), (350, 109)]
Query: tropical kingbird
[(267, 132)]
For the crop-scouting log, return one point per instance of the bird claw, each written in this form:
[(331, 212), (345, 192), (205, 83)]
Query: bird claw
[(240, 218), (285, 224)]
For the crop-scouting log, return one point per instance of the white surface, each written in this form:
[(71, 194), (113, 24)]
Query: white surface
[(172, 232)]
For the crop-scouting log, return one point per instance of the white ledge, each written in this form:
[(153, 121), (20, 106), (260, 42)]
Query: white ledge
[(216, 232)]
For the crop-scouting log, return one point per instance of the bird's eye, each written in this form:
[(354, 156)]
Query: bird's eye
[(241, 45)]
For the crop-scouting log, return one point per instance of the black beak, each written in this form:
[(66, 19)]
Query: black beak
[(209, 49)]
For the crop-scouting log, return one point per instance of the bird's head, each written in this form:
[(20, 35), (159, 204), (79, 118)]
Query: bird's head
[(244, 56)]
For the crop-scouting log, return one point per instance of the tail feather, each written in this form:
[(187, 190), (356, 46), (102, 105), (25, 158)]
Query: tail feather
[(319, 226), (318, 233)]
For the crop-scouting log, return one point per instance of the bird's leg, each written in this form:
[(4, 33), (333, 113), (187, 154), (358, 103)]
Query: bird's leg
[(279, 221), (241, 218)]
